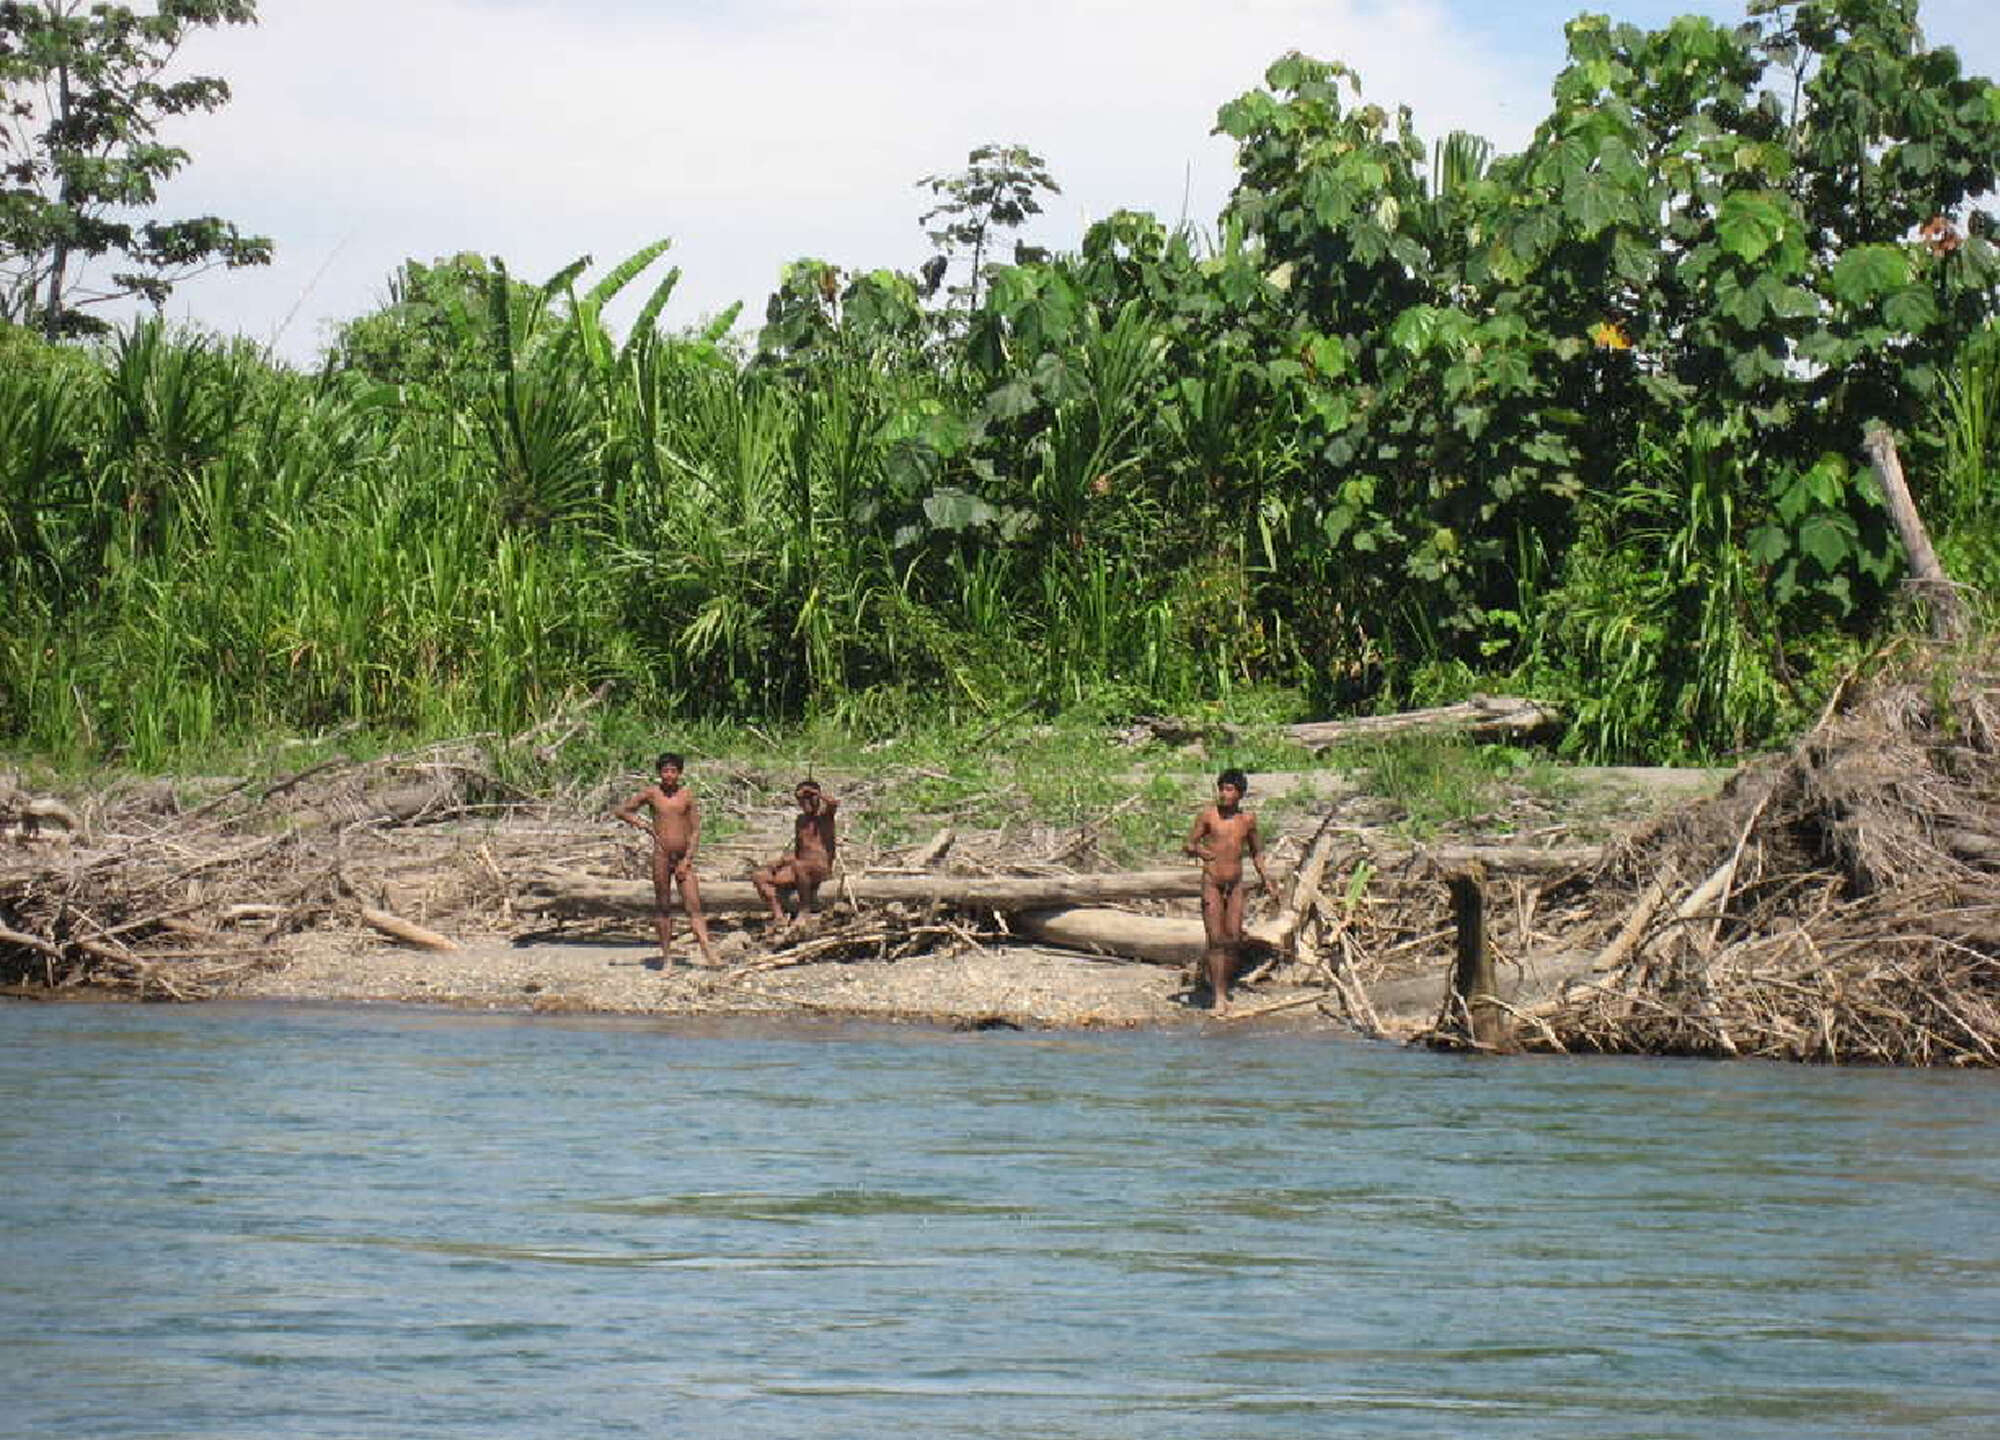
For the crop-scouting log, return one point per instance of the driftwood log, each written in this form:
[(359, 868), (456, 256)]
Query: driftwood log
[(572, 894), (407, 931), (1156, 939), (1927, 576), (568, 893), (1486, 717)]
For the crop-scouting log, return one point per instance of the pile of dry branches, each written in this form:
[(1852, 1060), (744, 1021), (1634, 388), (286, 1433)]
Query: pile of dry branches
[(143, 893), (1841, 904)]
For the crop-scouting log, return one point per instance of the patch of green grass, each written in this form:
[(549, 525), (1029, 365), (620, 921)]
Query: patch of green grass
[(1442, 783)]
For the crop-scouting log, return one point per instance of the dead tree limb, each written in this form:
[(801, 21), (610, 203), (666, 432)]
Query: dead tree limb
[(1927, 576), (397, 928)]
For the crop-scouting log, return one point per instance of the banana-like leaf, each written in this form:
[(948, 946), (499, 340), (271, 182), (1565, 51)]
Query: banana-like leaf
[(560, 282), (626, 271), (721, 324), (650, 311)]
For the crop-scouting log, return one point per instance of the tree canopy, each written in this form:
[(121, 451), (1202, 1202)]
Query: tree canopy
[(83, 91)]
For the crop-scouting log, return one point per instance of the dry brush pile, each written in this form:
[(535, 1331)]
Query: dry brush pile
[(141, 891), (1838, 904)]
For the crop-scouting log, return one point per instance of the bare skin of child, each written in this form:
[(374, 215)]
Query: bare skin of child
[(811, 859), (1221, 835), (674, 822)]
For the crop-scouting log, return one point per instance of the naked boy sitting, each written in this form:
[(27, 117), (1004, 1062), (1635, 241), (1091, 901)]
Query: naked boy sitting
[(805, 869)]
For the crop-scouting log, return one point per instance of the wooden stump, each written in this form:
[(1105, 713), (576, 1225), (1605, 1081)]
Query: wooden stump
[(1474, 991)]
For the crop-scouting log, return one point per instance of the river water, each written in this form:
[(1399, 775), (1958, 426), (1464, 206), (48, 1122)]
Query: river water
[(263, 1223)]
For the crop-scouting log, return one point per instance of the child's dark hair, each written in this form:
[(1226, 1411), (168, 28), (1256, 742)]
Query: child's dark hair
[(1236, 778), (669, 757), (807, 784)]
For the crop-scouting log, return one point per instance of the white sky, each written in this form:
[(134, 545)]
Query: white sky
[(753, 132)]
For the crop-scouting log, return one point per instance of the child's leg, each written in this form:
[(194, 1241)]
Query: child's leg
[(767, 879), (697, 922), (663, 900), (1234, 928), (1215, 958)]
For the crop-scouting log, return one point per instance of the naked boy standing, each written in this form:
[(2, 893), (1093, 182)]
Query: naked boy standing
[(675, 825), (1221, 835)]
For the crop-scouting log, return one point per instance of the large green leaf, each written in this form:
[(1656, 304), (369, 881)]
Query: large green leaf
[(953, 509), (1750, 223), (1593, 200), (1828, 539), (627, 270), (1869, 271), (1910, 309)]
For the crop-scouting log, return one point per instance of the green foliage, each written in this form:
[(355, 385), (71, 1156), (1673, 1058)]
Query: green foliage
[(434, 331), (83, 92), (1417, 420), (1664, 633), (999, 189), (1964, 506), (1787, 164)]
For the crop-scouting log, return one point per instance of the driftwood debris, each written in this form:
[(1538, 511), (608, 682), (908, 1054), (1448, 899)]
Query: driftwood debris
[(1927, 576), (573, 894), (1483, 717), (407, 931), (1828, 907), (1154, 939), (1487, 717), (157, 900)]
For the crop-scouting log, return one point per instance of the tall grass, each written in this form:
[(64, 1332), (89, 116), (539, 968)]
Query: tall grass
[(1967, 495)]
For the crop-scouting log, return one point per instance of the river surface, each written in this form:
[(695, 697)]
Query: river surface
[(231, 1221)]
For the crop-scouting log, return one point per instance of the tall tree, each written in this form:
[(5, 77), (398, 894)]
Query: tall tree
[(84, 88), (997, 190)]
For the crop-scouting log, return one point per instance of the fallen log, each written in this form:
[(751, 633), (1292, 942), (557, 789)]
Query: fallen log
[(1155, 939), (397, 928), (1487, 716), (568, 893), (1512, 859)]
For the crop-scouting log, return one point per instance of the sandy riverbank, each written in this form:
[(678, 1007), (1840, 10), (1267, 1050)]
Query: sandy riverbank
[(1024, 986), (279, 916)]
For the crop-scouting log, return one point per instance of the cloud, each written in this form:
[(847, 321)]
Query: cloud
[(372, 131)]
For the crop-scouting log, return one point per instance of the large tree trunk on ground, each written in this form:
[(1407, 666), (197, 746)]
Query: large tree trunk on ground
[(1487, 716), (572, 894), (1158, 939)]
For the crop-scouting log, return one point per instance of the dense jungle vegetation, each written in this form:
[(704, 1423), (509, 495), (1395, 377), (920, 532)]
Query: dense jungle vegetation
[(1411, 420)]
